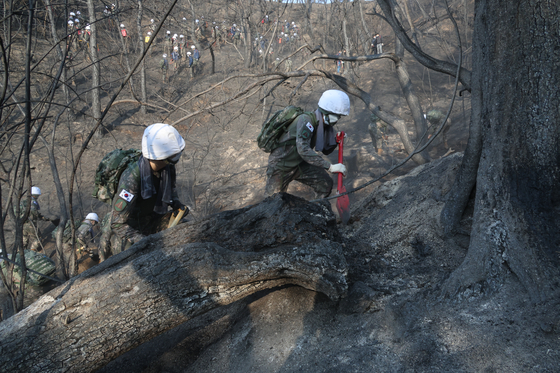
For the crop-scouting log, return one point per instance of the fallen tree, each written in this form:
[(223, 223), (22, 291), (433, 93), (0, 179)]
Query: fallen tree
[(161, 282)]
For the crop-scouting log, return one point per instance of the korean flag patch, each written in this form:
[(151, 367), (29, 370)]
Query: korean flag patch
[(127, 196), (309, 126)]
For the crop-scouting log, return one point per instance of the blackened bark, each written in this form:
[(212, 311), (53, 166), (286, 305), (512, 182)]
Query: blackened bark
[(517, 205), (161, 282)]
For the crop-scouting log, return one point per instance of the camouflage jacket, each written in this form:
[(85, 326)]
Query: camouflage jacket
[(130, 211), (287, 157), (34, 213), (84, 233)]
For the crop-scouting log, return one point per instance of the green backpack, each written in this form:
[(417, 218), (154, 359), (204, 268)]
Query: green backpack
[(109, 172), (275, 127), (35, 261), (67, 234)]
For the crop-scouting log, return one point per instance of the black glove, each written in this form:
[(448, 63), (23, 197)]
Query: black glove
[(178, 205)]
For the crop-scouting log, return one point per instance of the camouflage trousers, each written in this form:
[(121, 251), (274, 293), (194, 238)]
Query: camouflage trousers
[(111, 244), (30, 238), (313, 176)]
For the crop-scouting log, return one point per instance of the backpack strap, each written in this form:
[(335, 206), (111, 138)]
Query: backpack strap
[(314, 123)]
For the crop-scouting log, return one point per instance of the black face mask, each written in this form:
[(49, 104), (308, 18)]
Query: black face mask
[(174, 159)]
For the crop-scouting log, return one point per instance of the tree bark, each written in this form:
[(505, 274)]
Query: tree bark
[(95, 71), (143, 91), (517, 204), (412, 100), (161, 282)]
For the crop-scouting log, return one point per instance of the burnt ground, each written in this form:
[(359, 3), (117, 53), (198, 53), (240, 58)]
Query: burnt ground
[(396, 318)]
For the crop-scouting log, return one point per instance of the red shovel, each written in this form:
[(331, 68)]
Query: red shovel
[(342, 203)]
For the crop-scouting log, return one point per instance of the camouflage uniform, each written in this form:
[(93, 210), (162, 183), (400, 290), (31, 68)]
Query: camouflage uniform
[(132, 217), (164, 67), (31, 232), (378, 132), (296, 160), (84, 235), (288, 65)]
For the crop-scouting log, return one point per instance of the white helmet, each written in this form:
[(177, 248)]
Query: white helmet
[(188, 53), (149, 33), (152, 20), (72, 13), (168, 32), (88, 27), (92, 216), (78, 12), (70, 22), (161, 141), (181, 36), (335, 101), (184, 18), (35, 191), (175, 48), (192, 47), (164, 55), (122, 25), (77, 20)]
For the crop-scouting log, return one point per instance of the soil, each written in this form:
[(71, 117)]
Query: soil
[(395, 318)]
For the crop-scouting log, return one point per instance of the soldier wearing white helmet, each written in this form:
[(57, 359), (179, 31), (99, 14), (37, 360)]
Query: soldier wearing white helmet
[(146, 189), (84, 239), (295, 159), (31, 231), (164, 65)]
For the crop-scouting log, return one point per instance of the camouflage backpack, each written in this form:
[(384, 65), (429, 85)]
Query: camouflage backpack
[(273, 128), (35, 261), (67, 234), (109, 172)]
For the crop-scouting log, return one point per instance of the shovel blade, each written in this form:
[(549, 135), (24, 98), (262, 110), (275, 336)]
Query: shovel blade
[(343, 206)]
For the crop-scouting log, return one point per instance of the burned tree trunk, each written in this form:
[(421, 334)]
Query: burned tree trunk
[(162, 282), (517, 203)]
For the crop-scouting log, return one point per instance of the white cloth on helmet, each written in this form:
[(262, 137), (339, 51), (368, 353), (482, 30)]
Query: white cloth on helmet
[(161, 141), (335, 101), (92, 216), (35, 191)]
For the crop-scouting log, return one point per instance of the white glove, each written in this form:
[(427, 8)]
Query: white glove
[(345, 134), (339, 167)]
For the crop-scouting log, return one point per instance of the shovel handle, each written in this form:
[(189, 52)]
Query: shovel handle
[(340, 142)]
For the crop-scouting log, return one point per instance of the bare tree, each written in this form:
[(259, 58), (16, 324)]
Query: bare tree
[(95, 65)]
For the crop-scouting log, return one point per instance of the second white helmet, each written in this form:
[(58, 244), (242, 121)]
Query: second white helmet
[(161, 141), (92, 216), (335, 101), (35, 191)]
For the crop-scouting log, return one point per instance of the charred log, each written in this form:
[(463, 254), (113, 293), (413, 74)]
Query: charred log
[(161, 282)]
